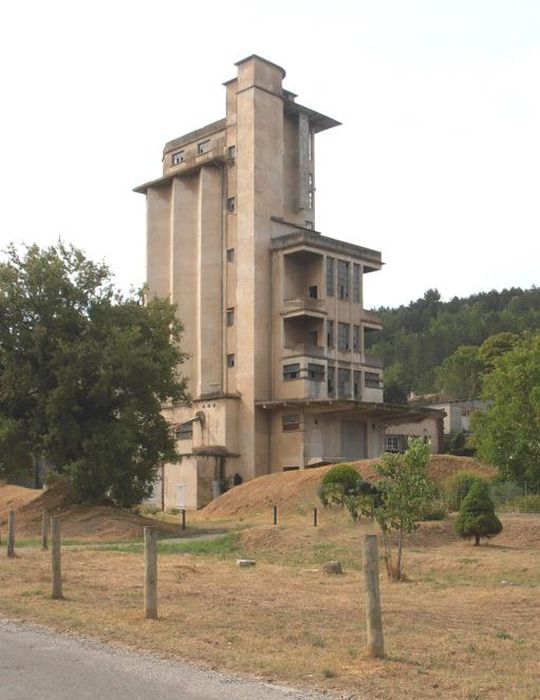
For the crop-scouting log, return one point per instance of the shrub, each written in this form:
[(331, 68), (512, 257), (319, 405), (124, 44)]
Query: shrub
[(457, 487), (524, 504), (435, 510), (477, 514), (362, 500), (503, 491), (332, 495), (338, 482)]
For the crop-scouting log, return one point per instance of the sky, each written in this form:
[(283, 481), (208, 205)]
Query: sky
[(437, 163)]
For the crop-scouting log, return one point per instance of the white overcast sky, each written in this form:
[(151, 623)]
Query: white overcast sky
[(437, 163)]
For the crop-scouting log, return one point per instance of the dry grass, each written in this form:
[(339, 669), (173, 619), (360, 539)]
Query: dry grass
[(467, 626)]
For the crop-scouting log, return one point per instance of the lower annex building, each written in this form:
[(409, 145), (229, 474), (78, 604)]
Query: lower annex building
[(273, 313)]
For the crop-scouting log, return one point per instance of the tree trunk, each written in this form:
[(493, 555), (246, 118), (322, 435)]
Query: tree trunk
[(476, 540), (399, 554)]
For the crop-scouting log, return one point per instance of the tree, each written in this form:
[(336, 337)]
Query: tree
[(494, 347), (396, 384), (507, 434), (460, 375), (85, 372), (405, 491), (477, 514)]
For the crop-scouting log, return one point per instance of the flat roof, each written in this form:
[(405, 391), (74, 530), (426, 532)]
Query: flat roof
[(207, 130), (264, 60), (303, 236), (317, 121)]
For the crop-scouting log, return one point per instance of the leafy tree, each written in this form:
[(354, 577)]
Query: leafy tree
[(84, 373), (405, 492), (460, 375), (458, 485), (508, 433), (477, 514), (396, 385), (494, 347)]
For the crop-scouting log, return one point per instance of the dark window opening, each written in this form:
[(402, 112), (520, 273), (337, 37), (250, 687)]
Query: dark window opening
[(312, 338), (315, 372), (178, 157), (330, 334), (371, 380), (184, 432), (231, 360), (291, 371), (330, 271), (231, 205), (230, 255), (343, 279), (203, 147), (290, 423), (331, 381), (312, 292), (230, 317)]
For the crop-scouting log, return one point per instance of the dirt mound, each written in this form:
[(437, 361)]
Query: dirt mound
[(103, 523), (297, 490)]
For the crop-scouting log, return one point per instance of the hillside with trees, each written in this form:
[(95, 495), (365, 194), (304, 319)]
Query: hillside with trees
[(417, 339)]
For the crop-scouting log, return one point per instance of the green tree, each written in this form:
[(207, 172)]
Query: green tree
[(85, 372), (507, 434), (396, 384), (494, 347), (460, 375), (477, 514), (405, 491)]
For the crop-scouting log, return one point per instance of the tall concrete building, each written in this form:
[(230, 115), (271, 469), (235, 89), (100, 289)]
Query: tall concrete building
[(273, 317)]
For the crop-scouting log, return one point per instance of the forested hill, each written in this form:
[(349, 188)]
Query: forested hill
[(417, 338)]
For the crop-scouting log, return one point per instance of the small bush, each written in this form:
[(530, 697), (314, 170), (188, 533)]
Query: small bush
[(477, 514), (457, 487), (524, 504), (436, 510), (332, 495), (344, 474)]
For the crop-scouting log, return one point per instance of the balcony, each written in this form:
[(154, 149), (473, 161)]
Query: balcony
[(371, 361), (304, 349), (304, 306)]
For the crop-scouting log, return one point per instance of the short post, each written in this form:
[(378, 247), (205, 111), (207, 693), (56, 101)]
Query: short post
[(11, 534), (56, 562), (150, 573), (315, 516), (183, 518), (275, 515), (370, 559), (44, 528)]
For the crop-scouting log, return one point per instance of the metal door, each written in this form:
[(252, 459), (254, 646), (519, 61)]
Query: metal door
[(353, 440)]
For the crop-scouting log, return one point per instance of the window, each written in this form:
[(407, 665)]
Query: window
[(343, 279), (203, 147), (311, 338), (178, 157), (371, 380), (231, 361), (231, 205), (230, 255), (344, 383), (184, 431), (231, 152), (230, 317), (291, 422), (356, 280), (290, 469), (343, 341), (330, 273), (315, 372), (310, 146), (331, 381), (329, 334), (312, 291), (308, 224), (393, 443), (310, 191), (291, 371), (356, 339), (357, 376)]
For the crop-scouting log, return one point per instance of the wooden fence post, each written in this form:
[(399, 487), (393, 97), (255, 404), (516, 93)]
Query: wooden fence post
[(11, 534), (275, 515), (315, 516), (183, 518), (150, 573), (44, 528), (56, 559), (370, 561)]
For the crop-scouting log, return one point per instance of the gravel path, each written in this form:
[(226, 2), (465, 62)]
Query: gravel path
[(42, 665)]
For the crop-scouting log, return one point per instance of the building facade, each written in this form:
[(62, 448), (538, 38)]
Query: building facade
[(273, 313)]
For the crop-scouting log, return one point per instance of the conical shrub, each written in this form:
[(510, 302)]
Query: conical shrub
[(477, 514)]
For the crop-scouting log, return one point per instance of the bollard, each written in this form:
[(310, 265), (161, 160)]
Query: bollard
[(183, 518), (56, 562), (275, 515), (44, 528), (150, 573), (11, 534), (370, 562), (315, 517)]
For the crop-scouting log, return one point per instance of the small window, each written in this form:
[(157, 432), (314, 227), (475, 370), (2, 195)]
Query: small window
[(203, 147), (312, 292), (231, 205), (291, 371), (356, 288), (231, 152), (184, 431), (330, 272), (178, 157), (357, 376), (343, 279), (393, 443), (331, 386), (315, 372), (371, 380), (230, 317), (330, 334), (290, 469), (308, 224), (310, 146), (310, 190), (344, 332), (230, 255), (231, 361), (356, 339), (291, 423)]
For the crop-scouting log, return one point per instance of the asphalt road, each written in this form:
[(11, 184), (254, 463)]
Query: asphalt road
[(36, 664)]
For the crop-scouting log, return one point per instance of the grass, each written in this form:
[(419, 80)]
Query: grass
[(454, 631)]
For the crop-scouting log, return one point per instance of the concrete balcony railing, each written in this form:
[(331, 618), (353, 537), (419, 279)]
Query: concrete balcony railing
[(374, 362), (371, 317), (303, 349), (304, 304)]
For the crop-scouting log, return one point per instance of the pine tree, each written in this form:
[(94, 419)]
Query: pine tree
[(477, 514)]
